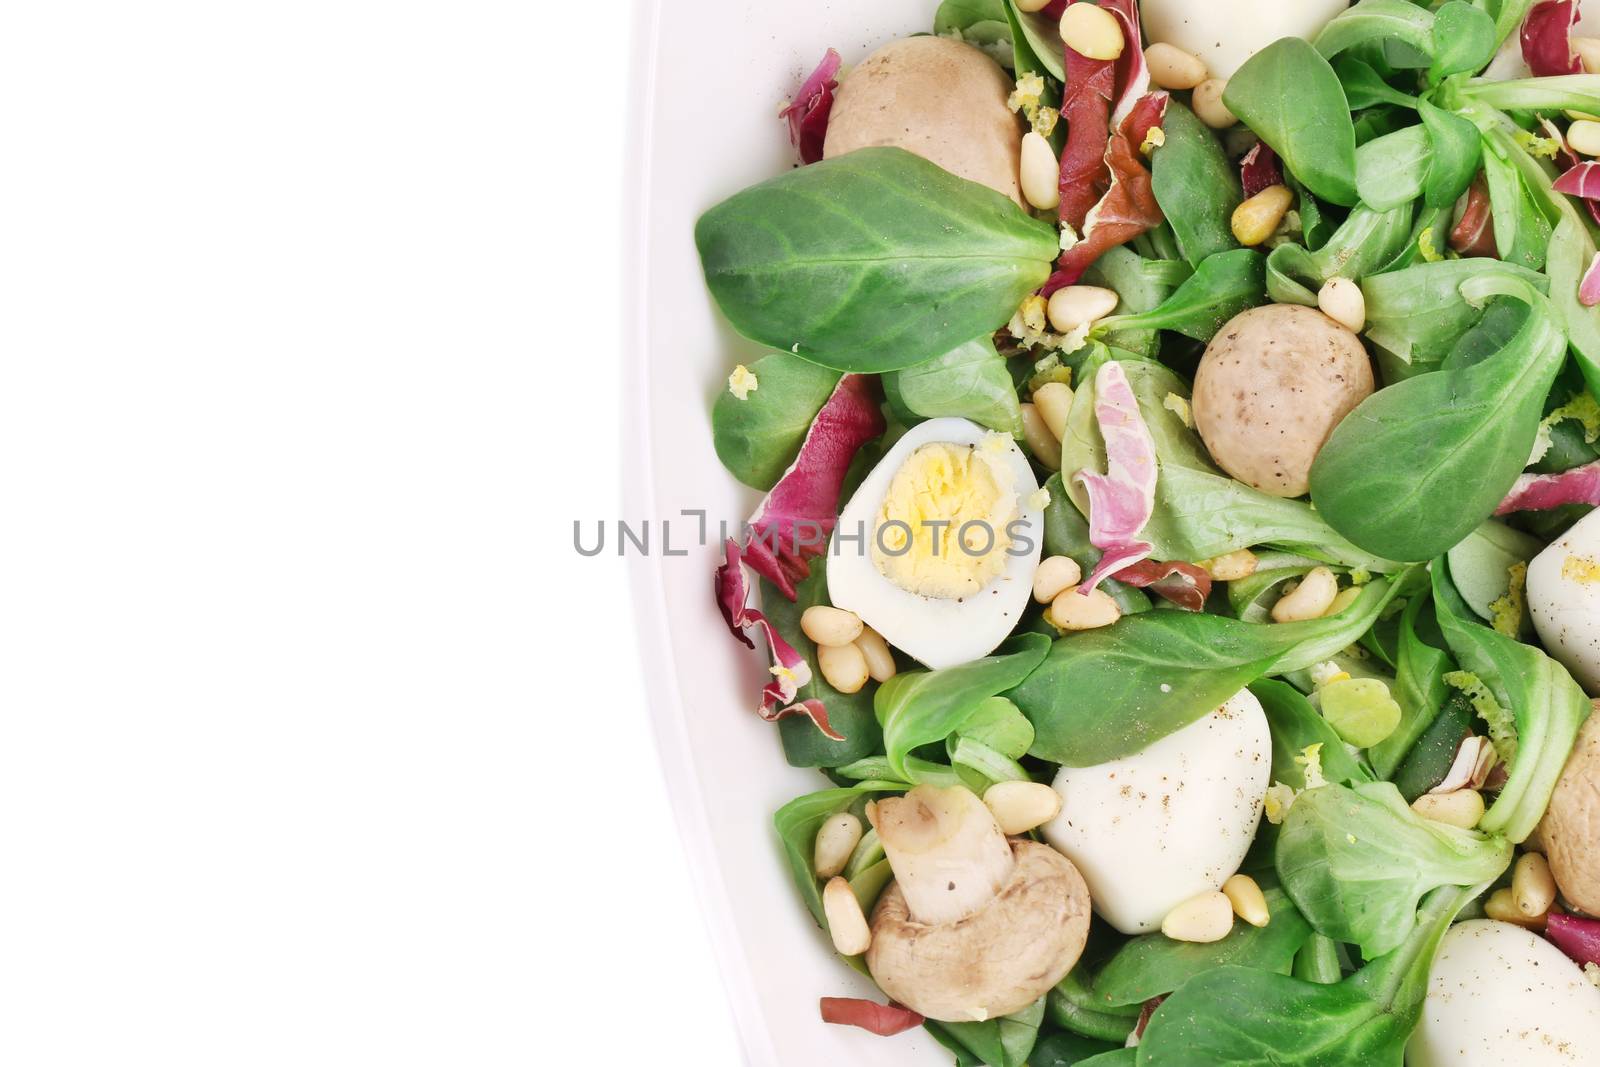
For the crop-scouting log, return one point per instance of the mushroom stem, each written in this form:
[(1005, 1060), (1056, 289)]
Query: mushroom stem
[(948, 854)]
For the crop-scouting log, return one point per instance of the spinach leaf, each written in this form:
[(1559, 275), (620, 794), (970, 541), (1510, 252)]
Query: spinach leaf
[(1073, 1005), (1416, 466), (1568, 92), (1224, 285), (1318, 960), (970, 381), (1043, 37), (1295, 726), (1141, 284), (1456, 153), (1391, 170), (1365, 87), (1153, 965), (1066, 1049), (871, 262), (999, 725), (1420, 313), (797, 823), (1464, 41), (1200, 512), (758, 437), (917, 708), (1107, 693), (1195, 185), (1480, 565), (1365, 242), (1358, 861), (1571, 252), (1521, 231), (978, 22), (1251, 1018), (1548, 706), (1002, 1042), (850, 714), (1381, 21), (1289, 95), (1419, 689)]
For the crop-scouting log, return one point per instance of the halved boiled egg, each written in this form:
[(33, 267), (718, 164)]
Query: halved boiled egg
[(936, 551)]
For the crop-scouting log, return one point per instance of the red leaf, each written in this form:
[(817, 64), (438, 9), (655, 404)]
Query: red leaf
[(789, 668), (1579, 938), (1547, 38), (1259, 169), (1122, 499), (793, 523), (1128, 207), (808, 113), (1182, 583), (1582, 180), (885, 1020), (1589, 288), (1540, 492), (1474, 234)]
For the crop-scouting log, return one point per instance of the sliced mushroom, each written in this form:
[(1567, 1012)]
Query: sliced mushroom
[(974, 926), (1570, 831)]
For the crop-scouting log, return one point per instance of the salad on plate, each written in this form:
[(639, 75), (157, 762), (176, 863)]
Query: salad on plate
[(1179, 439)]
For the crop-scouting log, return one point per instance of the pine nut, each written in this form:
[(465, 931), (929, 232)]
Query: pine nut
[(1031, 6), (1044, 445), (836, 839), (1055, 575), (1583, 137), (1079, 305), (1208, 106), (1533, 888), (1342, 301), (847, 923), (1203, 919), (1092, 32), (1311, 599), (1054, 403), (1345, 598), (1022, 806), (1040, 173), (1248, 902), (1463, 808), (1240, 563), (1257, 218), (830, 626), (1502, 905), (875, 650), (1588, 52), (1069, 611), (843, 667), (1173, 68)]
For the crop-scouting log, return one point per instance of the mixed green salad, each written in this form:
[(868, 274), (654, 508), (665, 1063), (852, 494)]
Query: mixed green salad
[(1179, 440)]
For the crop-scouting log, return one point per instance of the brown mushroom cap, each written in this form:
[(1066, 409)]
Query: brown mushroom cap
[(1570, 831), (997, 960), (937, 98), (1271, 387)]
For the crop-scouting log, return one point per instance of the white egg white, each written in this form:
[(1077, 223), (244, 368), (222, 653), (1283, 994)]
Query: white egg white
[(1501, 996), (1564, 600), (1169, 822), (938, 632), (1225, 33)]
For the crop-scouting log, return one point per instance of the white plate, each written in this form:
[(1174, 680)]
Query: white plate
[(711, 76)]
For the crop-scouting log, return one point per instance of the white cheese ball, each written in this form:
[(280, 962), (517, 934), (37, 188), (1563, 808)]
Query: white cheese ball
[(1169, 822), (1225, 33), (1564, 600), (1501, 996)]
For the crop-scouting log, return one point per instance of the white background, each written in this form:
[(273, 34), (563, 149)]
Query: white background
[(321, 746)]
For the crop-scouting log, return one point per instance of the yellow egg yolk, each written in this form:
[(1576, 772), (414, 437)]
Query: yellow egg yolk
[(941, 530)]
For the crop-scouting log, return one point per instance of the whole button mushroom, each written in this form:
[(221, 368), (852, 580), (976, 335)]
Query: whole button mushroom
[(1271, 387), (1571, 827), (937, 98), (974, 926)]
